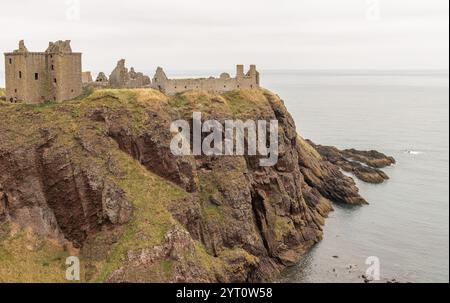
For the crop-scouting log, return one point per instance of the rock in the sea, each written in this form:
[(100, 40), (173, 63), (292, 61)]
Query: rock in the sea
[(365, 165)]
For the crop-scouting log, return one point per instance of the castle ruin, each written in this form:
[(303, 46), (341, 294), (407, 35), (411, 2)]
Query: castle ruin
[(122, 78), (56, 75), (36, 77), (101, 80), (86, 78), (218, 85)]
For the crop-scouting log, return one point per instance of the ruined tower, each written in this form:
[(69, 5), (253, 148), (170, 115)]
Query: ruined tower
[(36, 77), (86, 78), (239, 71), (122, 78)]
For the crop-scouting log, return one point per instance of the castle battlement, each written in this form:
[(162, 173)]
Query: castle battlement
[(38, 54), (26, 54)]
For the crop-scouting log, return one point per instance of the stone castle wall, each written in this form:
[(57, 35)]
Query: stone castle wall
[(36, 77), (21, 73), (219, 85), (86, 78), (66, 83), (101, 80), (122, 78)]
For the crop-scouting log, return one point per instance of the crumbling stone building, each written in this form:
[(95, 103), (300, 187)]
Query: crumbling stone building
[(122, 78), (101, 80), (86, 78), (36, 77), (219, 85)]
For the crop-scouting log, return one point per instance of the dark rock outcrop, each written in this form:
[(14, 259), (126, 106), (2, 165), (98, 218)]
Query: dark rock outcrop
[(365, 165), (326, 177), (43, 188)]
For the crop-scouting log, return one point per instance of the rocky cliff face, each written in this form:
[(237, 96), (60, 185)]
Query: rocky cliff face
[(95, 177)]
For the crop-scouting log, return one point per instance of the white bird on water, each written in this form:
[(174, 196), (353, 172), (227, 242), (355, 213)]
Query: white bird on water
[(413, 152)]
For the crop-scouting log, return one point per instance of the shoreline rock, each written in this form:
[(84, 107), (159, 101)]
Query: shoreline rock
[(365, 165)]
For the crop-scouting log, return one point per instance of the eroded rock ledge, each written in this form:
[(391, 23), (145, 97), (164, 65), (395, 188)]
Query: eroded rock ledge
[(365, 165)]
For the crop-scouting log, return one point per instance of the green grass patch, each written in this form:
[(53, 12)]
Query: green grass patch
[(27, 258), (151, 220)]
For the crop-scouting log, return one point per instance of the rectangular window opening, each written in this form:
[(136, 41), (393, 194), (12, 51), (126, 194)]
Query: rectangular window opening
[(36, 76)]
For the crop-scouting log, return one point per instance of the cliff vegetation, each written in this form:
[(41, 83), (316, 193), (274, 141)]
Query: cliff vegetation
[(94, 177)]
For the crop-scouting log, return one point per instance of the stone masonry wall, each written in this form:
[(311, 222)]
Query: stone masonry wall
[(219, 85), (36, 77), (86, 78), (122, 78), (67, 72), (26, 78)]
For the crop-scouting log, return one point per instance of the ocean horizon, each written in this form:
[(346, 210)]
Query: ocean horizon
[(179, 73)]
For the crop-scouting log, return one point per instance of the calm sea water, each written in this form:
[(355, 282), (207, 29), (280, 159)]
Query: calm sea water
[(406, 224)]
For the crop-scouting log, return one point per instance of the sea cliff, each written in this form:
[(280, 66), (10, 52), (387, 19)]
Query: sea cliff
[(94, 177)]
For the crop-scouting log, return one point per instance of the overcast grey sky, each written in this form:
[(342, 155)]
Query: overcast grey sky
[(211, 34)]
